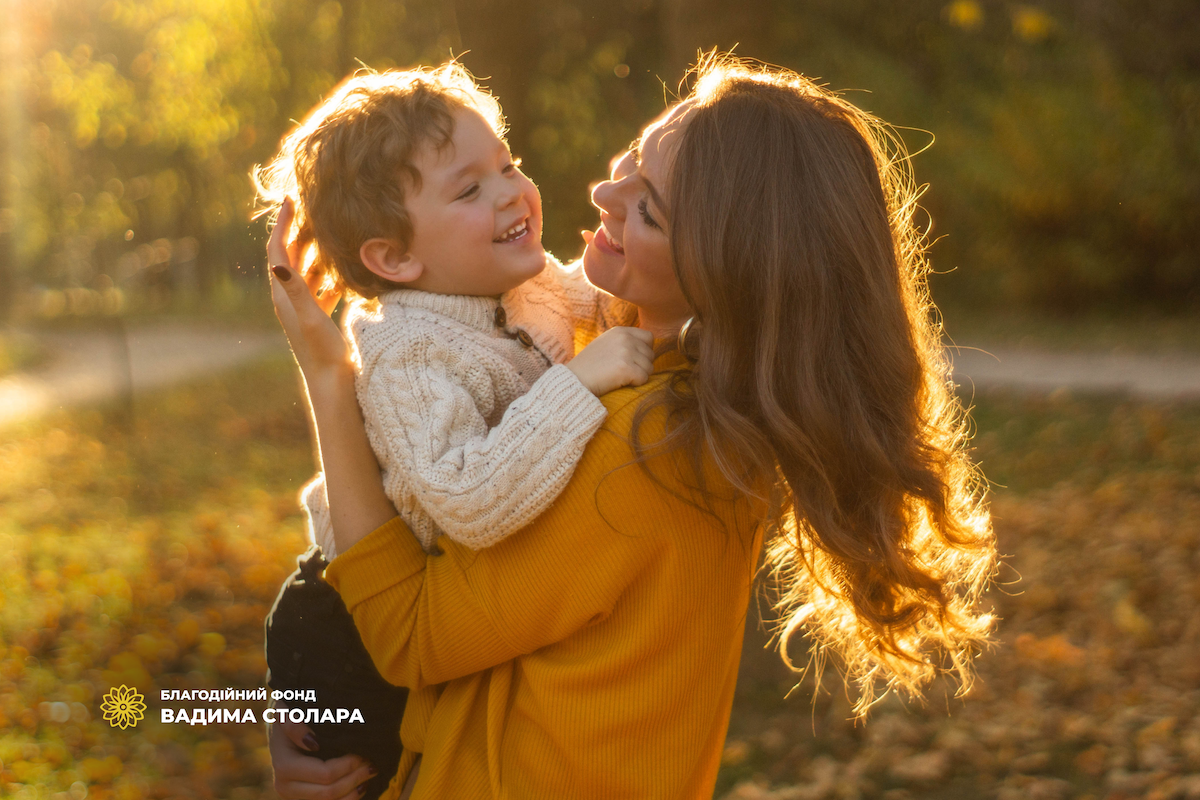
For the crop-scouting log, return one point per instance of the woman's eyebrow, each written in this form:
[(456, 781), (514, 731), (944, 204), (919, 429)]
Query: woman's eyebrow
[(654, 195), (635, 150)]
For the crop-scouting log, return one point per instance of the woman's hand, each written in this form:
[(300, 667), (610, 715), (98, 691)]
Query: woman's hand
[(303, 777), (314, 338), (357, 501)]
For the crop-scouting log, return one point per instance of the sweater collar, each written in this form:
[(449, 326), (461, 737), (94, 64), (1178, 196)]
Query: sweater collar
[(475, 312), (527, 307)]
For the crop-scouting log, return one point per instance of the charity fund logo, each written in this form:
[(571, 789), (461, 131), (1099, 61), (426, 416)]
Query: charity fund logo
[(123, 707)]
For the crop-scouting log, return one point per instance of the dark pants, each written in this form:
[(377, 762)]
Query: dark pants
[(313, 645)]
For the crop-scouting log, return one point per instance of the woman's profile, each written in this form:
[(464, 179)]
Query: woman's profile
[(800, 404)]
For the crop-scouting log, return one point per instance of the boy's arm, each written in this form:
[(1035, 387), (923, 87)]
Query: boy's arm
[(477, 485)]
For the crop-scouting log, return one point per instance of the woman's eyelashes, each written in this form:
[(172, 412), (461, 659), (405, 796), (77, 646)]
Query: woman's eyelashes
[(644, 210)]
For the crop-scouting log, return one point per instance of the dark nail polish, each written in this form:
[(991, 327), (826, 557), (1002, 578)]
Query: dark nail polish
[(362, 789), (283, 273), (310, 742), (372, 772)]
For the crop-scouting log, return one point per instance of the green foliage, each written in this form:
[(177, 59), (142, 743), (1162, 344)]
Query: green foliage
[(1065, 164), (1064, 174)]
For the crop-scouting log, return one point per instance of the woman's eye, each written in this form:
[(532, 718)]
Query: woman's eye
[(469, 192), (645, 212)]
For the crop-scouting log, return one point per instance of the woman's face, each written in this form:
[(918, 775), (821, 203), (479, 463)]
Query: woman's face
[(629, 255)]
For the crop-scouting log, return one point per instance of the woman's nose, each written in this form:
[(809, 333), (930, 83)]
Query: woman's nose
[(604, 196)]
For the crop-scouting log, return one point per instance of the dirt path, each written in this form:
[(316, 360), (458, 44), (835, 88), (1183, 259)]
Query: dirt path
[(1155, 377), (93, 366)]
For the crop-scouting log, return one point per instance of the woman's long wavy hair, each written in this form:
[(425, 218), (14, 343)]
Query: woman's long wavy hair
[(817, 371)]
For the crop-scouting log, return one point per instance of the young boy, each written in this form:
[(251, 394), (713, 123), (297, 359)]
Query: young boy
[(464, 329)]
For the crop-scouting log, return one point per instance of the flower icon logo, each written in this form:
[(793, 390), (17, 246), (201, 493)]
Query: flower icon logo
[(123, 707)]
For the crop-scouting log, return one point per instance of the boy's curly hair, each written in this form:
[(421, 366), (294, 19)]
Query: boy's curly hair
[(349, 165)]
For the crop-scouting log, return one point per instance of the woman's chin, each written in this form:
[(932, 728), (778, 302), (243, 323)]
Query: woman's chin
[(601, 268)]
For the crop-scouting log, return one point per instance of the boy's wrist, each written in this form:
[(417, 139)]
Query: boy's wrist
[(583, 375)]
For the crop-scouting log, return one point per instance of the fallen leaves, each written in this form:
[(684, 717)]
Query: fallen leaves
[(145, 557), (149, 556), (1092, 689)]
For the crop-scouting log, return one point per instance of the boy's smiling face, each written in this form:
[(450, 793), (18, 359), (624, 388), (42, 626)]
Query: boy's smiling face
[(476, 218)]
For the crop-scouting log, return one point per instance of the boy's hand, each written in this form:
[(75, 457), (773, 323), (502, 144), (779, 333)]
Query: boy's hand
[(618, 357)]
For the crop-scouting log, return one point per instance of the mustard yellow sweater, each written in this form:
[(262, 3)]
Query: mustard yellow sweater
[(592, 654)]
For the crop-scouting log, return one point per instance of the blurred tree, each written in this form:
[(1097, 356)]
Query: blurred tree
[(1066, 171), (576, 80), (135, 114)]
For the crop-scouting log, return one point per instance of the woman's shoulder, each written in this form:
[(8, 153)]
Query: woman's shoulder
[(623, 404), (643, 432)]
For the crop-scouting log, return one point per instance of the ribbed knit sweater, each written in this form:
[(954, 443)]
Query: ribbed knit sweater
[(592, 655), (476, 424)]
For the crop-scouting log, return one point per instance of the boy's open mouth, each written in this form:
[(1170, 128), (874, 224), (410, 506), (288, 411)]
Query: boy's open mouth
[(518, 231)]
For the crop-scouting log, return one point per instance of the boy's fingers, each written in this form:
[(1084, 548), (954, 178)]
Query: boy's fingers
[(643, 335)]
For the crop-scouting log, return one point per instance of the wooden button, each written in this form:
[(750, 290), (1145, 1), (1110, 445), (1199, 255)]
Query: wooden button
[(500, 317), (524, 338)]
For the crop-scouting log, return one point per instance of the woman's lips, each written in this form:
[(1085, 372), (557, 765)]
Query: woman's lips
[(605, 242)]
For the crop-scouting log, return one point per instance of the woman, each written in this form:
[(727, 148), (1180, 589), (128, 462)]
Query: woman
[(761, 224)]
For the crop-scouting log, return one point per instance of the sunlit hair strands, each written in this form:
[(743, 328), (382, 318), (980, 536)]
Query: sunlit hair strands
[(817, 372), (349, 165)]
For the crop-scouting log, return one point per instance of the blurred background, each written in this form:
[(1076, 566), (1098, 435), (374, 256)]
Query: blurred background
[(1065, 175), (148, 483)]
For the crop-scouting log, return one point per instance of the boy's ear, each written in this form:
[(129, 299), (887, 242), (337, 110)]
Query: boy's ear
[(387, 259)]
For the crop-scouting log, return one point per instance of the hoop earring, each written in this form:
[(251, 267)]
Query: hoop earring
[(683, 332)]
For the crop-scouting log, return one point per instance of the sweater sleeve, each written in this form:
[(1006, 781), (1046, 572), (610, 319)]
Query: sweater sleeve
[(320, 525), (427, 619), (476, 485)]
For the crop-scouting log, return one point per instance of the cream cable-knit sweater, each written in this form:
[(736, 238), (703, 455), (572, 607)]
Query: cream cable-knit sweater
[(476, 424)]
